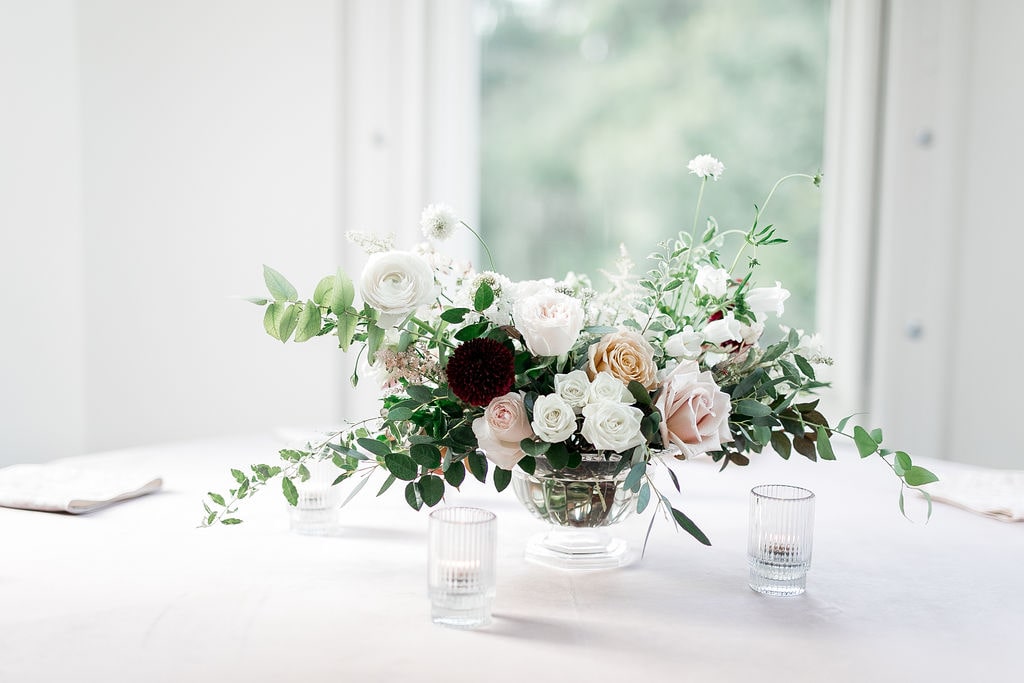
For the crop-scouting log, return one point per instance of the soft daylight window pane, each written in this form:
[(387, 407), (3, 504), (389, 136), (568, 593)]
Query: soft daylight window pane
[(591, 109)]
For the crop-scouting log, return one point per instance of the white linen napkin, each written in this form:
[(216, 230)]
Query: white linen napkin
[(57, 487), (994, 493)]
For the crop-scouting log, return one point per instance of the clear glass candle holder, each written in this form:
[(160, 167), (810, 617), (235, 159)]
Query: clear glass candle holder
[(781, 536), (462, 554), (315, 513)]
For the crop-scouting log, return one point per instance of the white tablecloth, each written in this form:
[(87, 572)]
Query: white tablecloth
[(135, 592)]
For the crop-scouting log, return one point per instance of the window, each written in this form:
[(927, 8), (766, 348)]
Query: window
[(591, 110)]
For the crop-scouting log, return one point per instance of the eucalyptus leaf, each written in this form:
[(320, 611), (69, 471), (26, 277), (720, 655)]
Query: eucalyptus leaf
[(689, 527), (432, 489), (401, 465), (824, 445), (781, 445), (322, 293), (455, 474), (635, 476), (374, 446), (901, 463), (919, 476), (387, 484), (752, 408), (643, 498), (374, 338), (501, 479), (426, 455), (342, 293), (291, 494), (309, 322), (286, 325), (477, 464), (278, 285), (413, 496), (865, 444)]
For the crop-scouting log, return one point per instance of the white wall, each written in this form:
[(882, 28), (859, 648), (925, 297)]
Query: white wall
[(209, 148), (41, 333), (155, 154), (946, 375)]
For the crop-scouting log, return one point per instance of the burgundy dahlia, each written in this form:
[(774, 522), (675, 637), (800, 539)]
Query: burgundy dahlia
[(480, 370)]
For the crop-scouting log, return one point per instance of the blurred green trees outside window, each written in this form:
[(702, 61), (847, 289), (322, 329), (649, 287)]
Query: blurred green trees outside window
[(590, 110)]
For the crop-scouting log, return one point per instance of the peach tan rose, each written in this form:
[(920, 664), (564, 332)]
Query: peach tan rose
[(626, 356)]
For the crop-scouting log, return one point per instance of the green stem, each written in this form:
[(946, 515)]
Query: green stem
[(760, 210), (482, 243), (693, 242)]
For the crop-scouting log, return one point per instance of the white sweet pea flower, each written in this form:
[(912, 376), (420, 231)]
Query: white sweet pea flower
[(396, 283), (706, 166), (612, 426), (549, 321), (438, 222), (723, 330), (605, 387), (573, 387), (685, 344), (711, 280), (764, 300), (554, 420)]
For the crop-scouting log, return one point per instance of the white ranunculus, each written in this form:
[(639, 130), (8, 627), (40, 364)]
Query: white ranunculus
[(606, 387), (554, 420), (764, 300), (612, 426), (396, 283), (685, 344), (573, 388), (711, 280), (549, 321)]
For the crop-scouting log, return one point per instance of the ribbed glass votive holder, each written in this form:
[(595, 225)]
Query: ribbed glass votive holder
[(462, 554), (781, 536)]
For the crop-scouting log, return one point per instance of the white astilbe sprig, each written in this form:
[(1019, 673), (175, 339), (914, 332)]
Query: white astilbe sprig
[(370, 243)]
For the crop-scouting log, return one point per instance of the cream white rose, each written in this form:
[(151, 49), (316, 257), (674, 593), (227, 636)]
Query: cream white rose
[(711, 280), (573, 387), (694, 411), (396, 283), (612, 426), (606, 387), (685, 344), (554, 420), (503, 425), (626, 355), (764, 300), (549, 321)]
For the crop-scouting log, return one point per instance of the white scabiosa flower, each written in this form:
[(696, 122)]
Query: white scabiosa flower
[(438, 222), (706, 166), (554, 420)]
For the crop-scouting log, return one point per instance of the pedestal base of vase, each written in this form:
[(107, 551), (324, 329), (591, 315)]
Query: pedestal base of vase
[(578, 550)]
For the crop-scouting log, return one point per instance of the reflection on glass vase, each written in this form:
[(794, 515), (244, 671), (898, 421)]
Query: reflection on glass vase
[(316, 510), (578, 503)]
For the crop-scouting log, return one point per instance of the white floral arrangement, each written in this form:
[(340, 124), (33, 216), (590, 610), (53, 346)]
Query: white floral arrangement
[(480, 375)]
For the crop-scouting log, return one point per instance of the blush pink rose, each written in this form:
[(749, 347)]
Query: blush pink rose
[(503, 425), (694, 411)]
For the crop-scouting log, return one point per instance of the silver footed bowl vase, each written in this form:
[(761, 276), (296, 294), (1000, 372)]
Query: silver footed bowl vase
[(578, 504)]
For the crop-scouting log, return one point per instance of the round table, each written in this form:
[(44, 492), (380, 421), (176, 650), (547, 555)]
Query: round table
[(137, 592)]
